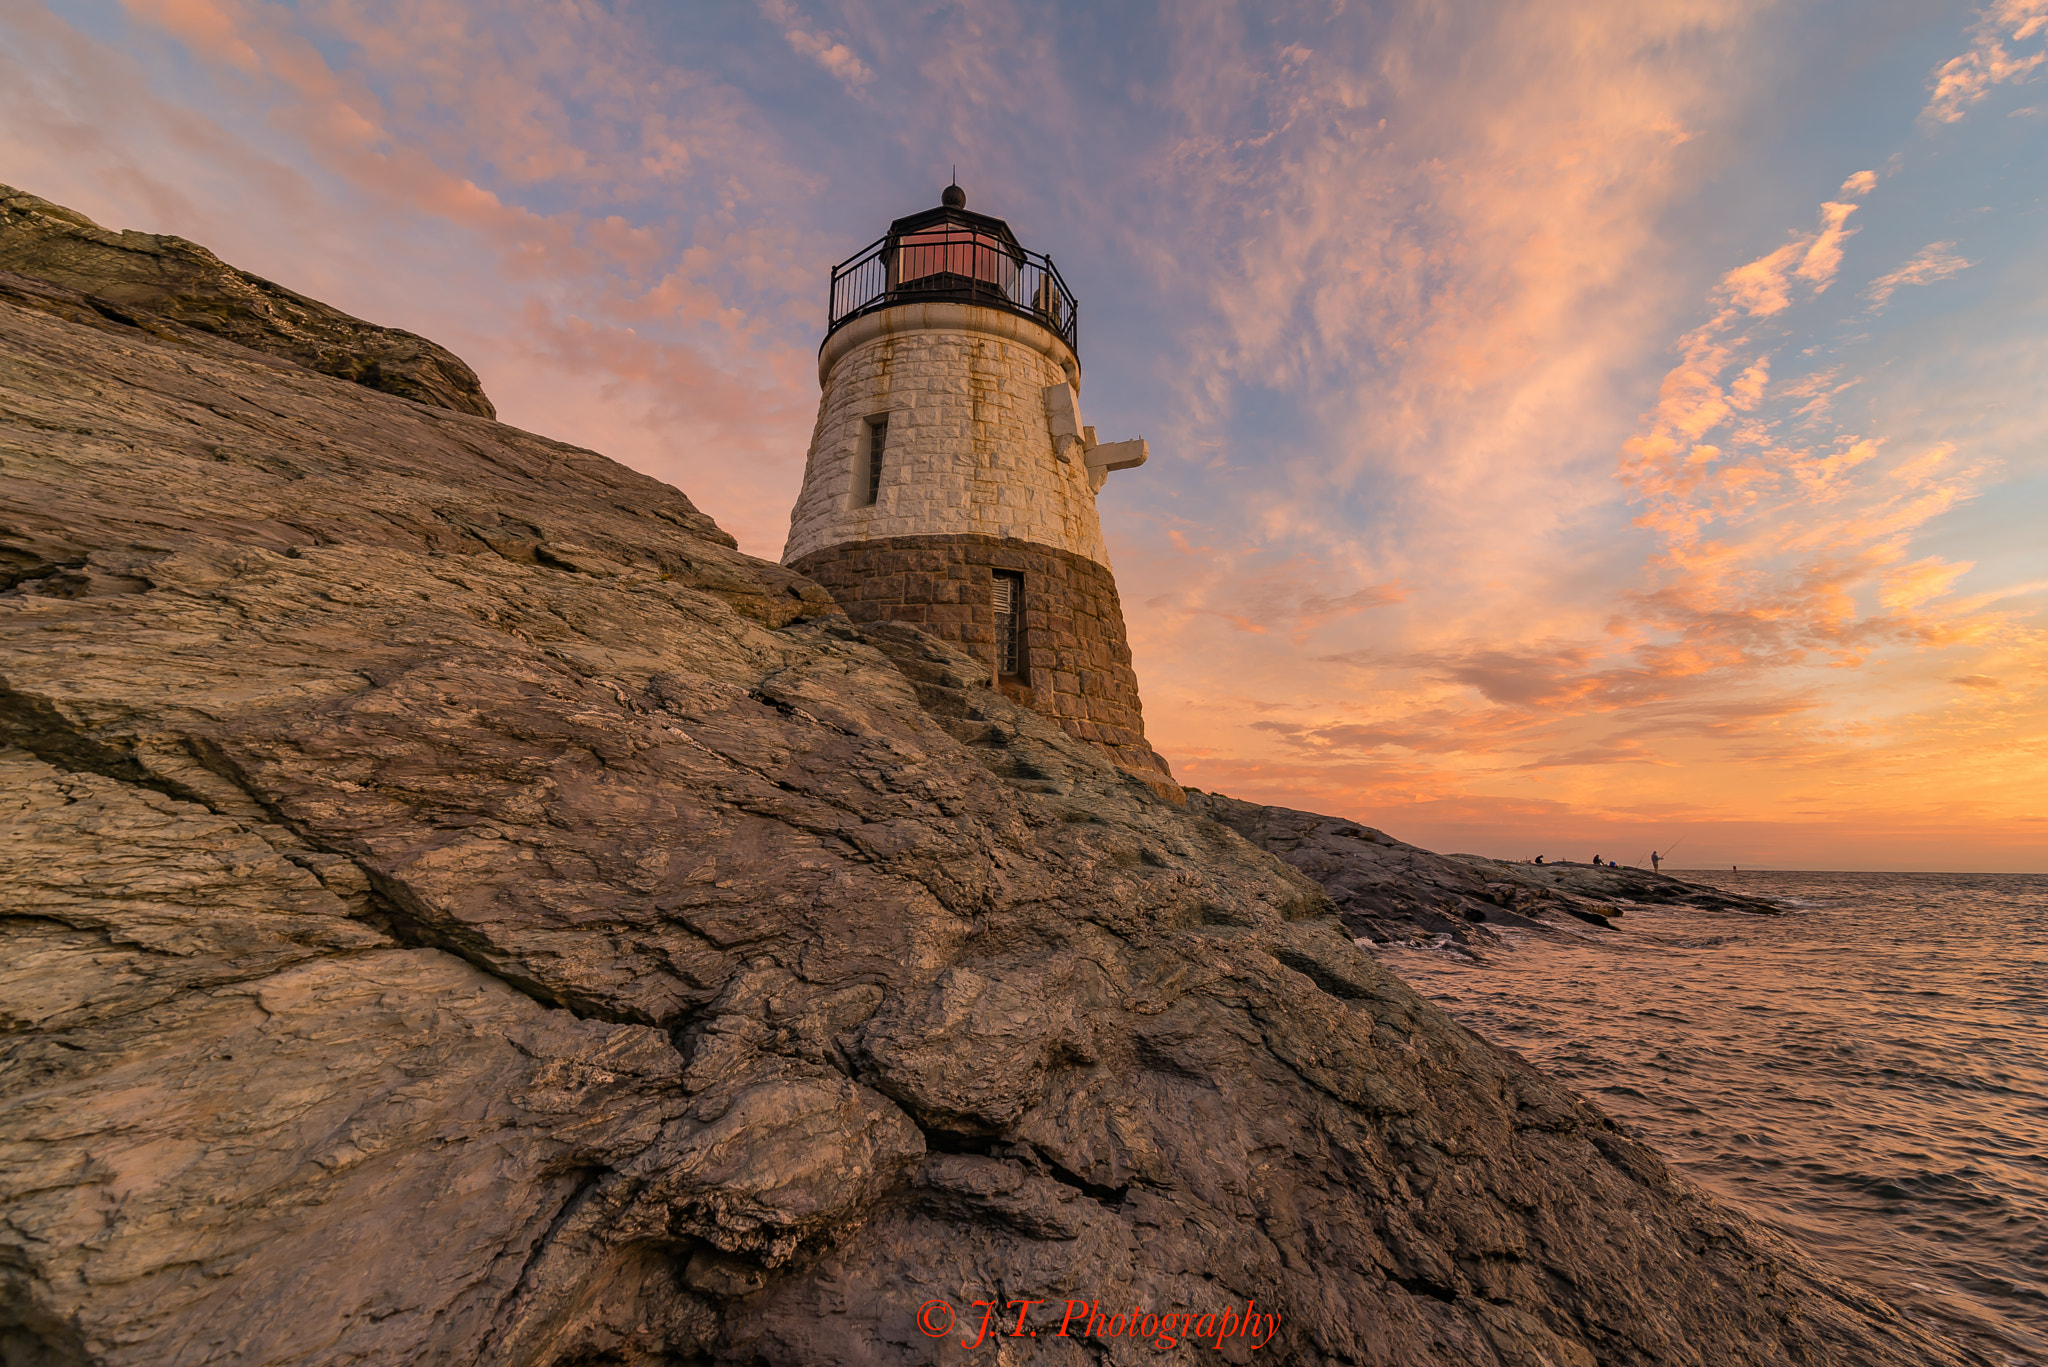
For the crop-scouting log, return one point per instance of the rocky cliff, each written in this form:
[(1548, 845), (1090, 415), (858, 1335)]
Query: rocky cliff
[(460, 910), (145, 280)]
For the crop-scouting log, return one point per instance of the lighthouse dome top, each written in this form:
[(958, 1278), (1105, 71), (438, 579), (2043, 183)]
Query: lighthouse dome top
[(952, 254)]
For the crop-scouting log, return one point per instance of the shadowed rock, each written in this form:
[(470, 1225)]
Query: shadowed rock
[(1384, 890), (458, 909), (168, 278), (1390, 892), (1594, 887)]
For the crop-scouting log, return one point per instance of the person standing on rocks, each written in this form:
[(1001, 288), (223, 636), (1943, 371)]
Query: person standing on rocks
[(1655, 862)]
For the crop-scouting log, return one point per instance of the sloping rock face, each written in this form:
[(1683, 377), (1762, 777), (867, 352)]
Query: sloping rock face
[(459, 910), (1595, 884), (1389, 892), (168, 278), (1384, 890)]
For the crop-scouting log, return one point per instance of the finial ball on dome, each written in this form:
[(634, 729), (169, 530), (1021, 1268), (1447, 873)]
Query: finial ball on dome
[(953, 197)]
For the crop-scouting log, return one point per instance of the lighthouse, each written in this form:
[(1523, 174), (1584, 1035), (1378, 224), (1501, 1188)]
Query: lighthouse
[(951, 481)]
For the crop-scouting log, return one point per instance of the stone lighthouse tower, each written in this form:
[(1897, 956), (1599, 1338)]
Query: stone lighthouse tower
[(951, 481)]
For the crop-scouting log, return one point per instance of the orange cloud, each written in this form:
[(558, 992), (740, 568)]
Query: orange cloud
[(1911, 585), (1935, 261), (1778, 538), (1962, 81), (1764, 286), (1406, 267)]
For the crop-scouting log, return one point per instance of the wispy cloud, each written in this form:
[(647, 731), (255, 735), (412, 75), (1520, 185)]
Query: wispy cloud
[(1962, 81), (1387, 287), (1787, 544), (1935, 261), (1448, 292), (826, 49), (631, 210)]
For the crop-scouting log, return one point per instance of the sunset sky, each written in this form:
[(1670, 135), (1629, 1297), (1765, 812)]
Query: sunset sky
[(1577, 426)]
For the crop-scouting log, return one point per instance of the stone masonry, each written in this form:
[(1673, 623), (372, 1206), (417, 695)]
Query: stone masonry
[(970, 447), (1078, 669)]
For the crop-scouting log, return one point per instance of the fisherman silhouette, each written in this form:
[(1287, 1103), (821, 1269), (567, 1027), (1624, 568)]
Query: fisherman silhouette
[(1654, 861), (1539, 859)]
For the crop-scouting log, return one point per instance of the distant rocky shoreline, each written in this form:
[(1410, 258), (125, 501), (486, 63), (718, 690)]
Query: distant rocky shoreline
[(1390, 892), (456, 908)]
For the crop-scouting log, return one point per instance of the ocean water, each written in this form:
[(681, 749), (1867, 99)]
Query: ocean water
[(1867, 1073)]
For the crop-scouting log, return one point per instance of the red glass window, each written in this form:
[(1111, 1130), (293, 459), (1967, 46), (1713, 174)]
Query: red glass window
[(953, 257)]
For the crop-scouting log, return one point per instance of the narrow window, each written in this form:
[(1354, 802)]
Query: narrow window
[(878, 438), (1008, 599)]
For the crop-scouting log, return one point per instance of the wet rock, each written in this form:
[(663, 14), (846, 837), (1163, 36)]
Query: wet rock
[(142, 280), (460, 910)]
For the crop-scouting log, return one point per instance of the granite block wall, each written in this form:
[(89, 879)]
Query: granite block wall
[(1079, 669)]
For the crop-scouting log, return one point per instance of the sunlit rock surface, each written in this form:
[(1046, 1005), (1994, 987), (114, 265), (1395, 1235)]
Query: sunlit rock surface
[(458, 909), (148, 280)]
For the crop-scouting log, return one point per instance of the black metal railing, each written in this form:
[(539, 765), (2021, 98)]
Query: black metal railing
[(955, 263)]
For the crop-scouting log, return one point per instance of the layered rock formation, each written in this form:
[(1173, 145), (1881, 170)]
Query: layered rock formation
[(1390, 892), (163, 278), (458, 909)]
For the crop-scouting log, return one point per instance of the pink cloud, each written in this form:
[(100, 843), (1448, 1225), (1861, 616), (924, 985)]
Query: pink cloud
[(1438, 246), (208, 27), (445, 113), (828, 51)]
